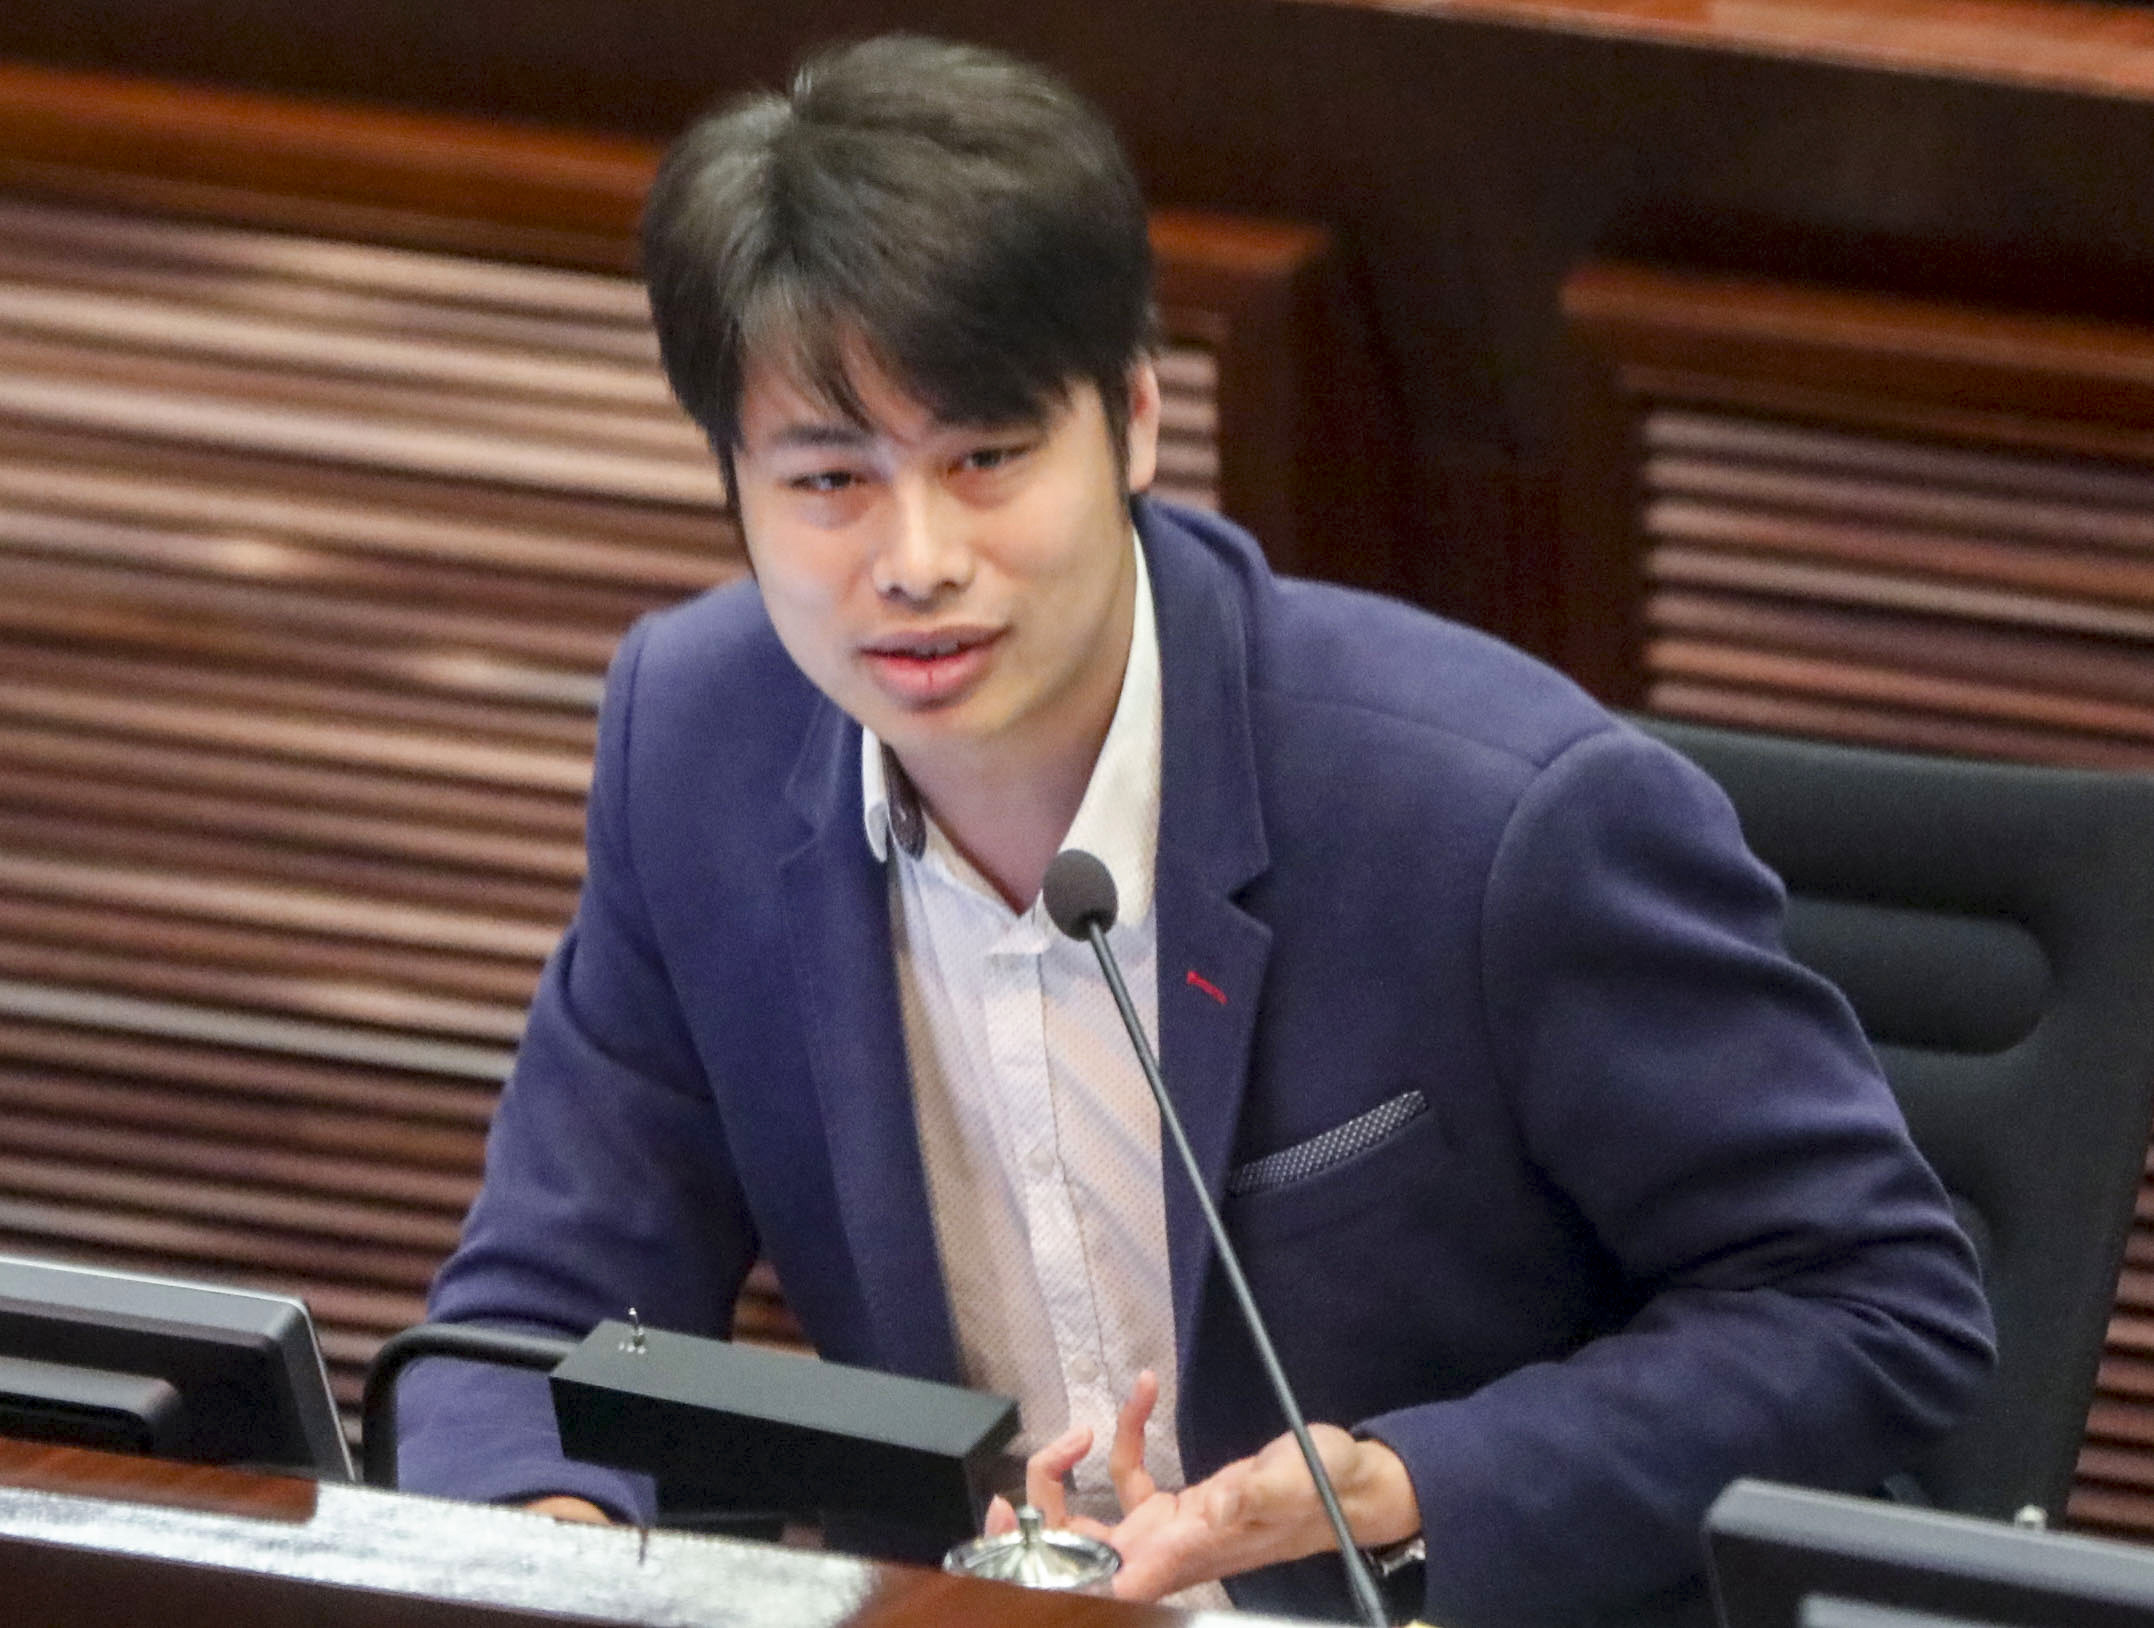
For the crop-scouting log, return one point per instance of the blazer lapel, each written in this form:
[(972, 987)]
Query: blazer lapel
[(1212, 954), (838, 920)]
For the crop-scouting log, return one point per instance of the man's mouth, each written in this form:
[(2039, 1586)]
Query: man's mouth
[(931, 650), (930, 669)]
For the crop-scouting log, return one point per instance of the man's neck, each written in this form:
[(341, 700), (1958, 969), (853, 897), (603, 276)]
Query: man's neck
[(1007, 819), (1007, 802)]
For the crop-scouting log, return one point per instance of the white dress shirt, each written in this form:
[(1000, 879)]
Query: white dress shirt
[(1040, 1137)]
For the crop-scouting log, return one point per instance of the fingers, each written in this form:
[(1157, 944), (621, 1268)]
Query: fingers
[(1253, 1512), (1050, 1466), (1046, 1469), (1125, 1459), (1167, 1544), (1002, 1518), (1085, 1526)]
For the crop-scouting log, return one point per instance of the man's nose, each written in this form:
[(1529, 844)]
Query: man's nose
[(926, 553)]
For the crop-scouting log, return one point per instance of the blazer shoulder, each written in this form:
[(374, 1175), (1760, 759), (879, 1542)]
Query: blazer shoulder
[(716, 647), (1340, 689), (1341, 659), (715, 634), (703, 698)]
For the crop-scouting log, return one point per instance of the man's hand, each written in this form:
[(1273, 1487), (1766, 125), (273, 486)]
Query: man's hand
[(1254, 1512), (564, 1508)]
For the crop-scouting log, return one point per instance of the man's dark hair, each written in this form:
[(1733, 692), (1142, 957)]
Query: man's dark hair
[(959, 218)]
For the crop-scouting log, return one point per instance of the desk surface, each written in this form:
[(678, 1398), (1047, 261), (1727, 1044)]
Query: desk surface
[(89, 1540)]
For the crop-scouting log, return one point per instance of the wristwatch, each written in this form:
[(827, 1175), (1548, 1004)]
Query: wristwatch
[(1394, 1558)]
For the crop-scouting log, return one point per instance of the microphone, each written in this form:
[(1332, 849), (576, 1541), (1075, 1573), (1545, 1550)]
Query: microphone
[(1080, 898)]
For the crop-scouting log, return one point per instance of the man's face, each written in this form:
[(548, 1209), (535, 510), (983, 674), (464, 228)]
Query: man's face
[(965, 591)]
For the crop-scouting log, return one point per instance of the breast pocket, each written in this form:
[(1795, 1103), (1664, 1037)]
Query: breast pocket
[(1327, 1148), (1328, 1176)]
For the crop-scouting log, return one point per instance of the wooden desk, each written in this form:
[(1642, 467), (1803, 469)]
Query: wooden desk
[(89, 1540)]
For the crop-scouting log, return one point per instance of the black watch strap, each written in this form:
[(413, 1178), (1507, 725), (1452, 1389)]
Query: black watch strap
[(1394, 1558)]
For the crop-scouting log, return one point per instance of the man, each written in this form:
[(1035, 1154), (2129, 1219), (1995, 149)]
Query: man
[(1568, 1196)]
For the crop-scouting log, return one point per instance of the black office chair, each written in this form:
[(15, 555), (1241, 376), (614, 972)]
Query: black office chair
[(1993, 927)]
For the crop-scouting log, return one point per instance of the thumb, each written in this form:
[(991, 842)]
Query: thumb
[(1001, 1517)]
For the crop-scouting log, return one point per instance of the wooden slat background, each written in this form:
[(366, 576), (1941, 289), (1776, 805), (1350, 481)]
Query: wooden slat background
[(312, 555), (311, 559), (1884, 520), (1961, 601)]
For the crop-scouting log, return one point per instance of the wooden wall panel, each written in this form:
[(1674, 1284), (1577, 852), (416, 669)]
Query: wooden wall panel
[(1866, 517), (312, 555), (1263, 315), (1463, 155), (313, 549)]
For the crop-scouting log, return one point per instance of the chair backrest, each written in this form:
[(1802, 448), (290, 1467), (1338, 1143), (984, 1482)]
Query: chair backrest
[(1993, 927)]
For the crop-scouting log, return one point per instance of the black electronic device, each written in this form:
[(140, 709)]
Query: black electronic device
[(170, 1369), (1787, 1557), (725, 1426)]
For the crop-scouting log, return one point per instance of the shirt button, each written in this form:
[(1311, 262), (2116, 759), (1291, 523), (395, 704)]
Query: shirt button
[(1083, 1368), (1042, 1161)]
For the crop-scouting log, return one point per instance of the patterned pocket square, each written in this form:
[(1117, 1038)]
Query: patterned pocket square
[(1322, 1151)]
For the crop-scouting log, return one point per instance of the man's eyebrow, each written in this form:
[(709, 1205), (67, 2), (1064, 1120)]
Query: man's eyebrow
[(819, 434), (1022, 423)]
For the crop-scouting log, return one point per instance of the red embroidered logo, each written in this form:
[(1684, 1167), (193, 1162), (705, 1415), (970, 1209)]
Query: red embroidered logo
[(1197, 980)]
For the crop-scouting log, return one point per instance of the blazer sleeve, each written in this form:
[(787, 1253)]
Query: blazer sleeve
[(608, 1182), (1809, 1311)]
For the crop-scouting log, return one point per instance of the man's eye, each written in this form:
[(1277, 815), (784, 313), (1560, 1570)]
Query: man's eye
[(823, 481), (994, 457)]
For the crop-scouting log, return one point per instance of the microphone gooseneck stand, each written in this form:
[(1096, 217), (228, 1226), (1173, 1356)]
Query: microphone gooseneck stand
[(1080, 897)]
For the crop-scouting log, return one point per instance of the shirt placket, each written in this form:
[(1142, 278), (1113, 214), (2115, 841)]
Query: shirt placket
[(1017, 1040)]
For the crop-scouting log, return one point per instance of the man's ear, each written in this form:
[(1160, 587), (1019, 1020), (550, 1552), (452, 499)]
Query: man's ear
[(1142, 435)]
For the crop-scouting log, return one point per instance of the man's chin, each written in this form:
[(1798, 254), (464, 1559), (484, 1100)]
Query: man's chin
[(927, 728)]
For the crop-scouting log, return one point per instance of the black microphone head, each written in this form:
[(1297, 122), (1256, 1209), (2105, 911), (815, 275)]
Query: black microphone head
[(1079, 892)]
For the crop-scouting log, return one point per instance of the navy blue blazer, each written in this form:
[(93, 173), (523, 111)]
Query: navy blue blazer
[(1658, 1224)]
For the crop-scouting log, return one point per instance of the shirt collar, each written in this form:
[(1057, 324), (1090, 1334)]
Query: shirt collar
[(1118, 818)]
